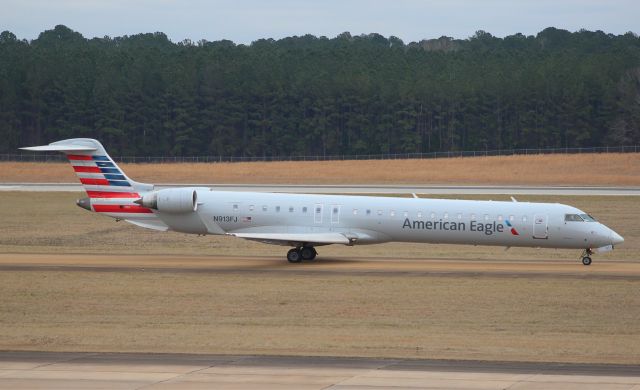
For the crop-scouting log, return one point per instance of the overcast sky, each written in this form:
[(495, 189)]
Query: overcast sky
[(244, 21)]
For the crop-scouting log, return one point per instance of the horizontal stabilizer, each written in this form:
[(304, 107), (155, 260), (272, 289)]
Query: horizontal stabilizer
[(60, 148), (315, 238)]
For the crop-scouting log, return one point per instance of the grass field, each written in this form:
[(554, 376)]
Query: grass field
[(543, 318), (584, 169), (539, 319)]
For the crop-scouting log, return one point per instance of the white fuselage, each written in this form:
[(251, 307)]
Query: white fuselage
[(368, 220)]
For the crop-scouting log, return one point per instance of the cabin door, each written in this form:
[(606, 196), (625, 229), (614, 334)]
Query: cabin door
[(540, 227)]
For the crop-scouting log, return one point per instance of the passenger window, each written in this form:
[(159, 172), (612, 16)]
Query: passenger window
[(406, 214), (290, 209), (277, 209), (264, 208), (355, 211), (446, 216), (335, 210), (473, 217), (486, 217), (368, 212), (512, 218), (433, 215), (392, 213), (379, 212), (235, 207), (419, 214), (251, 207), (524, 218), (500, 218), (459, 215), (318, 210)]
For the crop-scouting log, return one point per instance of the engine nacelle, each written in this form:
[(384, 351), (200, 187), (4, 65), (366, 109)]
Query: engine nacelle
[(171, 200)]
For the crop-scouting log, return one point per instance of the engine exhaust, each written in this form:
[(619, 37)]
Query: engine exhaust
[(85, 203)]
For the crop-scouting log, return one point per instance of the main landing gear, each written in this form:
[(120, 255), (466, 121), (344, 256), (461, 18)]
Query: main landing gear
[(296, 255), (586, 256)]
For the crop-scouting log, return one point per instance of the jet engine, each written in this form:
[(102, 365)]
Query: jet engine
[(171, 200)]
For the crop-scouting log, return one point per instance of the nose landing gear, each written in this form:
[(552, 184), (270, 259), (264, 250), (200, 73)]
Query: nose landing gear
[(296, 255), (586, 256)]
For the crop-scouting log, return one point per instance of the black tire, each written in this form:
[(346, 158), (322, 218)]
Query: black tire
[(308, 253), (586, 260), (293, 256)]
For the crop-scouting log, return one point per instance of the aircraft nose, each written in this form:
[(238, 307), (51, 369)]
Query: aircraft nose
[(616, 238)]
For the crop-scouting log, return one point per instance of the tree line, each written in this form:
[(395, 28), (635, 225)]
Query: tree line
[(368, 94)]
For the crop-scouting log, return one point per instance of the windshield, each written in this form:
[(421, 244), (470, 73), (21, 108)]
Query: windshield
[(588, 218), (572, 218)]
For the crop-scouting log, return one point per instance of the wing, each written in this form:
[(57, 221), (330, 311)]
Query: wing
[(296, 239), (154, 224)]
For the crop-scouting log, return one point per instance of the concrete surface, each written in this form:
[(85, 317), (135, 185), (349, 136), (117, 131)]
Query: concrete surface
[(47, 370), (363, 189)]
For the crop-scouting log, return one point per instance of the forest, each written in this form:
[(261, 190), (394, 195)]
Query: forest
[(145, 95)]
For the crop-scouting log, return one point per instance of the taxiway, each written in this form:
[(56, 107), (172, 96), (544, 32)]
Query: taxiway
[(370, 265), (51, 370)]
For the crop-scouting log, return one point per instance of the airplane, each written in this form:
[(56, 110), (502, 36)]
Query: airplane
[(306, 221)]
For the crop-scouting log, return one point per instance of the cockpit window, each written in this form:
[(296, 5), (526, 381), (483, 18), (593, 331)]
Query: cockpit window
[(588, 218), (572, 218)]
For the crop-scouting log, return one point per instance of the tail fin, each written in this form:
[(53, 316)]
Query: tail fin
[(98, 173), (111, 192)]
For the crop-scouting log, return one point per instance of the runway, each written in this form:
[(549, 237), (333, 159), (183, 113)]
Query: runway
[(362, 189), (51, 370), (341, 266)]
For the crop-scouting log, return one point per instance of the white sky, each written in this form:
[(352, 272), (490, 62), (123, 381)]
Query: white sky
[(244, 21)]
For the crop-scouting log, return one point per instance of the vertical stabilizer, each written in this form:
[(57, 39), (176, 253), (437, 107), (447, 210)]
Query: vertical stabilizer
[(111, 192), (98, 173)]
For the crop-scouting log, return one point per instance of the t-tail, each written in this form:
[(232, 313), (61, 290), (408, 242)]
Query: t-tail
[(110, 191)]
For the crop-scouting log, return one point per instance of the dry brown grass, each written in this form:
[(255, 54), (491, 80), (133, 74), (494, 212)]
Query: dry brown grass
[(540, 319), (585, 169)]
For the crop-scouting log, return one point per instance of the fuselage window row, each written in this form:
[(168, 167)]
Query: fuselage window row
[(419, 214)]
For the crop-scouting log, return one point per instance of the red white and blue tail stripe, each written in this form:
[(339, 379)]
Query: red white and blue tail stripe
[(102, 178), (109, 189)]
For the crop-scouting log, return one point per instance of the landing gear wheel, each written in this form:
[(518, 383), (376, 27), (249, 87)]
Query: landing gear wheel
[(308, 253), (294, 256), (586, 260)]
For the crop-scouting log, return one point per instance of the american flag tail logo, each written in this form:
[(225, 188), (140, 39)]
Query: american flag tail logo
[(108, 188)]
